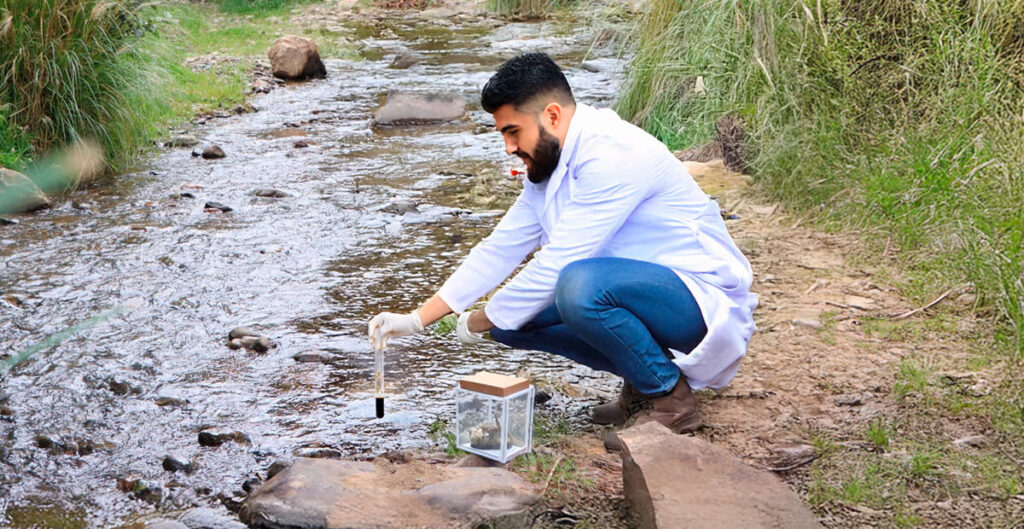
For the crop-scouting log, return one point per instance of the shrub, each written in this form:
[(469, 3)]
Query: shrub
[(903, 119), (73, 69)]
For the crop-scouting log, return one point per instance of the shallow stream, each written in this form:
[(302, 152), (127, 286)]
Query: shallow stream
[(307, 270)]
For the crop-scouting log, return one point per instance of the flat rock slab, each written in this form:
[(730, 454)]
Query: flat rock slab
[(403, 108), (673, 482), (333, 494)]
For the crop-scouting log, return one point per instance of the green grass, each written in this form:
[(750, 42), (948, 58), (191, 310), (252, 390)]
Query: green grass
[(76, 69), (525, 8), (898, 119)]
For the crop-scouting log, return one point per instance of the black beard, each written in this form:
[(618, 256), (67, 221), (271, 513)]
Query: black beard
[(545, 157)]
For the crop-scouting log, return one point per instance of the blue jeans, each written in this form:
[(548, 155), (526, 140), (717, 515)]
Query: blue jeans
[(617, 315)]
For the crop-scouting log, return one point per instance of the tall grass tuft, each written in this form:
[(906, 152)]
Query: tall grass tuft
[(903, 119), (524, 8), (74, 69)]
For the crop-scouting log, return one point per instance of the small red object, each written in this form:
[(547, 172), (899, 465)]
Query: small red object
[(515, 172)]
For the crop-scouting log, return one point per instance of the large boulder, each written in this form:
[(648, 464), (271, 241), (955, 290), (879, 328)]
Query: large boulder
[(674, 481), (294, 57), (406, 108), (334, 494), (19, 194)]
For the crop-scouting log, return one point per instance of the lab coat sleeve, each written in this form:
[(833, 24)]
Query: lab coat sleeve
[(494, 258), (602, 198)]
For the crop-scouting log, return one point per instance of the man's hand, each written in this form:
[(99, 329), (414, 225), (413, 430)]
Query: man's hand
[(471, 320), (388, 325)]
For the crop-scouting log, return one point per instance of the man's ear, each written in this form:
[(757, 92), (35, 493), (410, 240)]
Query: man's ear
[(552, 115)]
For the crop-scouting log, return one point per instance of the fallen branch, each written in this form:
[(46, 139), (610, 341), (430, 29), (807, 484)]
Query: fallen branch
[(934, 302)]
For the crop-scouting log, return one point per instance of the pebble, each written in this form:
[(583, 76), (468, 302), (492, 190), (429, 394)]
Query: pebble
[(241, 332), (213, 152), (318, 453), (311, 357), (182, 195), (8, 222), (174, 464), (170, 401), (260, 344), (218, 206), (300, 144), (208, 438), (235, 343), (270, 193), (807, 322), (849, 400)]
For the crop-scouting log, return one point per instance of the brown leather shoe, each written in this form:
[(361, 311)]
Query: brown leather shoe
[(619, 410), (677, 410)]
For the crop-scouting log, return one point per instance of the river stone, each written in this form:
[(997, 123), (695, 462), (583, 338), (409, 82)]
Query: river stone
[(213, 152), (403, 61), (206, 518), (673, 481), (333, 494), (270, 193), (213, 438), (242, 332), (19, 194), (407, 108), (294, 57)]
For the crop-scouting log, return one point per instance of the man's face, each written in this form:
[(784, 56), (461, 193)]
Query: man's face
[(526, 137)]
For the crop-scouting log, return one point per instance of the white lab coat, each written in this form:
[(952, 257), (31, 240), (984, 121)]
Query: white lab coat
[(616, 192)]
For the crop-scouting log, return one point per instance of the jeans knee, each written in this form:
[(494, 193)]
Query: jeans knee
[(577, 287)]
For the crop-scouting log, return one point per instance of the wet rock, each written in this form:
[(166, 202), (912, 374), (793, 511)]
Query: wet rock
[(196, 153), (270, 193), (400, 207), (45, 442), (242, 332), (6, 411), (213, 152), (8, 222), (720, 490), (182, 140), (170, 401), (175, 464), (232, 501), (321, 493), (276, 467), (403, 61), (591, 66), (235, 344), (312, 357), (19, 194), (206, 518), (318, 453), (260, 344), (408, 108), (217, 206), (300, 144), (294, 57), (251, 484), (182, 195), (151, 494), (165, 524), (214, 438)]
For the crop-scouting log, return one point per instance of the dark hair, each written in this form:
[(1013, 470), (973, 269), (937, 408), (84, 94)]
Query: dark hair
[(524, 78)]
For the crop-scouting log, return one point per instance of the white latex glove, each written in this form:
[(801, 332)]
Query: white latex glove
[(388, 325), (463, 332)]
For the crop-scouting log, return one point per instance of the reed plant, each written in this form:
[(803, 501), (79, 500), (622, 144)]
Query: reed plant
[(74, 69), (901, 119), (523, 8)]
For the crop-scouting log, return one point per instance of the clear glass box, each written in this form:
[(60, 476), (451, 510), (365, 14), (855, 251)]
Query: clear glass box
[(494, 416)]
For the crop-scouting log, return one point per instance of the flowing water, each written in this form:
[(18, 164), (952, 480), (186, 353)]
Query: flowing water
[(307, 270)]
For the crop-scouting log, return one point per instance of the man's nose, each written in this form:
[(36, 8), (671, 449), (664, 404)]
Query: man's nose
[(510, 146)]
